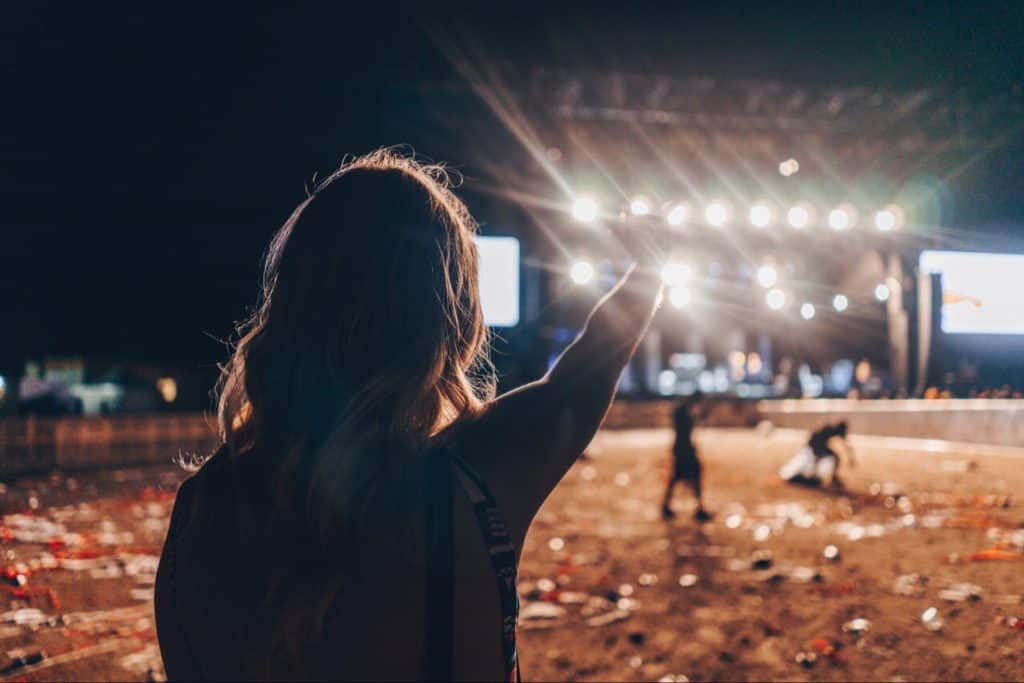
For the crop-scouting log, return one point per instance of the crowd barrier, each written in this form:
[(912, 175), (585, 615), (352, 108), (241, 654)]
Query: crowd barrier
[(999, 422), (38, 445), (42, 444)]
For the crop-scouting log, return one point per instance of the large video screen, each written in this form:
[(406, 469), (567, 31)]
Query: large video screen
[(981, 293), (499, 279)]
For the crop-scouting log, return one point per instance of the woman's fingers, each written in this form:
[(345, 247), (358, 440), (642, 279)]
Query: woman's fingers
[(637, 243)]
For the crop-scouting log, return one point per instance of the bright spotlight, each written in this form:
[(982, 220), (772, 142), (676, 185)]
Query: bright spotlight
[(767, 276), (839, 219), (798, 216), (581, 272), (676, 274), (640, 205), (885, 220), (679, 297), (807, 311), (716, 213), (882, 292), (840, 302), (760, 215), (584, 209), (677, 214), (789, 167), (775, 298)]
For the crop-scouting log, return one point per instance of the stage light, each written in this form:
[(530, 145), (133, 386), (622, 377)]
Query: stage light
[(839, 219), (760, 215), (882, 292), (789, 167), (767, 276), (775, 298), (677, 214), (675, 274), (807, 311), (679, 297), (640, 205), (581, 272), (885, 220), (840, 302), (585, 209), (798, 217), (889, 218), (716, 214)]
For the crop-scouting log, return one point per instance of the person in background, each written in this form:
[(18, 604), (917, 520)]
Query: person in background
[(821, 445), (686, 467)]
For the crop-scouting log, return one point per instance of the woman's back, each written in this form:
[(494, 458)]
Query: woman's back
[(228, 547), (309, 546)]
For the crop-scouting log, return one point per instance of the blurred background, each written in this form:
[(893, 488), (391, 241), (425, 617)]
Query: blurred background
[(805, 173)]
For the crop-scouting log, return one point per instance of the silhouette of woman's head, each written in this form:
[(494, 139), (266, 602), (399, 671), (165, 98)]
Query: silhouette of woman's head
[(365, 340)]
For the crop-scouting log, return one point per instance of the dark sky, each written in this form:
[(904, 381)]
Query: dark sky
[(148, 152)]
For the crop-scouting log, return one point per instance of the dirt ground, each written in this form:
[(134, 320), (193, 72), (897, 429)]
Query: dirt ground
[(611, 592)]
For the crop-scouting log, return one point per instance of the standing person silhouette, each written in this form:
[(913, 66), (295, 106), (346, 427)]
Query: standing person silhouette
[(686, 467), (364, 516)]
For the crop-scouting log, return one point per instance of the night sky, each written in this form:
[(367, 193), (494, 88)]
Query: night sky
[(148, 153)]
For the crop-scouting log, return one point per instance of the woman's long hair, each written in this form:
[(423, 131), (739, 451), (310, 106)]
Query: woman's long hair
[(368, 340)]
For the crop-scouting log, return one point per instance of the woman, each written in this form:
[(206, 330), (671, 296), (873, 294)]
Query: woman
[(364, 516)]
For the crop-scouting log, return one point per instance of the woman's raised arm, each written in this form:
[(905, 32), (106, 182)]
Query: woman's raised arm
[(528, 438)]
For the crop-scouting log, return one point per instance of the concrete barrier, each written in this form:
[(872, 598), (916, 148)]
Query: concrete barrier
[(998, 422), (640, 414), (37, 444)]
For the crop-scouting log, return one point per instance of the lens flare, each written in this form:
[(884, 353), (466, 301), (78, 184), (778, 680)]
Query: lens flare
[(585, 209), (581, 272)]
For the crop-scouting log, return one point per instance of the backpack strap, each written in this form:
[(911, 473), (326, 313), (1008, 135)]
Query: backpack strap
[(439, 596)]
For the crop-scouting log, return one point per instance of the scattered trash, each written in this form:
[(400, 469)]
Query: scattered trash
[(857, 626), (647, 579), (806, 659), (21, 659), (828, 649), (761, 559), (958, 592), (674, 678), (931, 619), (831, 553), (556, 544), (27, 616), (141, 594), (546, 585), (804, 575), (996, 553), (145, 661), (609, 618), (687, 580), (1012, 622), (541, 610), (909, 584)]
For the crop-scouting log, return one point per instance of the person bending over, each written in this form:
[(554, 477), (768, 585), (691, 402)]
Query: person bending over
[(826, 459), (364, 516), (686, 467)]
